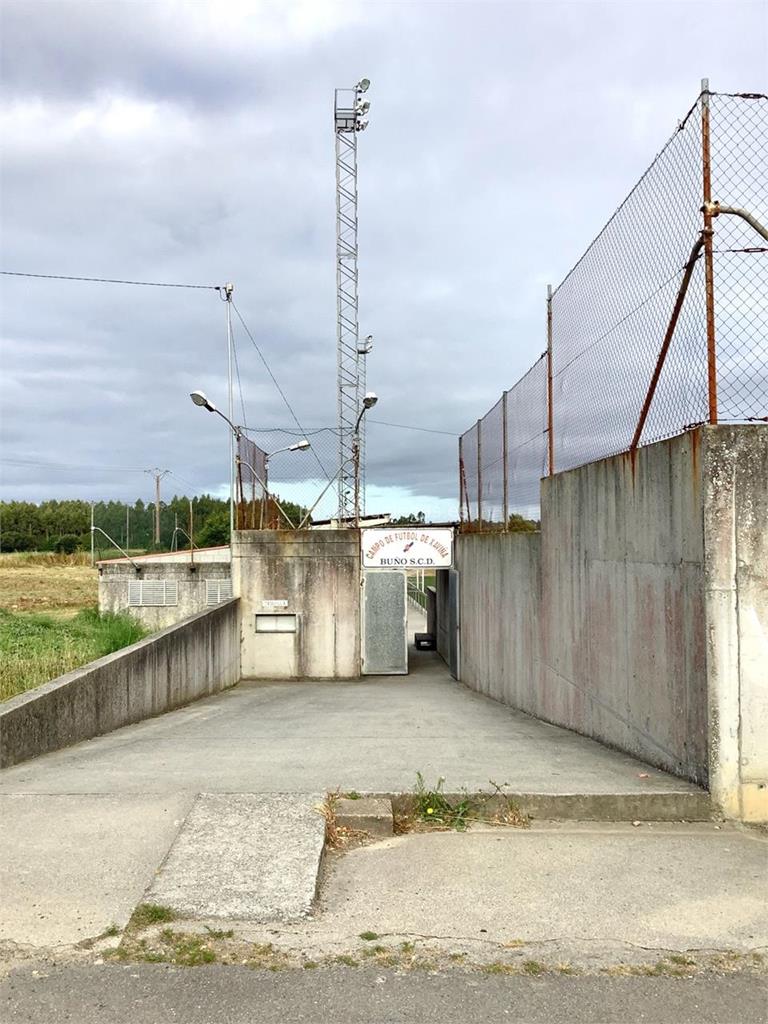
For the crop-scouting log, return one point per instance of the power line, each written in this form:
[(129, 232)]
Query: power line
[(111, 280), (68, 465), (280, 390), (408, 426)]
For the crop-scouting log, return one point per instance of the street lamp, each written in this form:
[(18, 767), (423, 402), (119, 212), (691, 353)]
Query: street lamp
[(300, 446), (370, 399), (200, 399)]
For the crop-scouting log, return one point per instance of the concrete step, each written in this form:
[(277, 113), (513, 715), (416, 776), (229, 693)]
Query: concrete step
[(244, 856), (671, 805)]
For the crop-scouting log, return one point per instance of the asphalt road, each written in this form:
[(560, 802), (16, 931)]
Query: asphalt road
[(154, 993)]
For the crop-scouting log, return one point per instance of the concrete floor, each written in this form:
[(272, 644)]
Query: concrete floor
[(85, 829), (372, 735)]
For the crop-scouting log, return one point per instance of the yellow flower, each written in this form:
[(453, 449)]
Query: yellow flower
[(430, 810)]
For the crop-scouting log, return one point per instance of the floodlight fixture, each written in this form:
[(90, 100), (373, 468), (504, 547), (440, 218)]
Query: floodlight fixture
[(371, 398), (363, 108), (364, 347), (363, 85), (361, 126)]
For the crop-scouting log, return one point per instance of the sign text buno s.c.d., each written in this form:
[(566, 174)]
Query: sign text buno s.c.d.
[(420, 548)]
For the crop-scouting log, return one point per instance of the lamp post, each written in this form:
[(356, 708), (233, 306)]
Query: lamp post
[(200, 399), (369, 401)]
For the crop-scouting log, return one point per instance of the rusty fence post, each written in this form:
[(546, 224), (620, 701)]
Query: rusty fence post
[(504, 461), (550, 409), (709, 273), (480, 474), (461, 478)]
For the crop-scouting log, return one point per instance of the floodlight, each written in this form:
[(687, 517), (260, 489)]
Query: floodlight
[(361, 126), (363, 85), (371, 398), (363, 108)]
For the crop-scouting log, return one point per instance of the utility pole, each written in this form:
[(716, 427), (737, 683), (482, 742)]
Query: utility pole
[(158, 474), (228, 289), (127, 526)]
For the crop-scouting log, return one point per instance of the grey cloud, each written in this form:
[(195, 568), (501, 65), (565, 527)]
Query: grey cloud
[(501, 138)]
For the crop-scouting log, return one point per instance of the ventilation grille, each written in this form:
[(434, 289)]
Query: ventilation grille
[(152, 593), (217, 591)]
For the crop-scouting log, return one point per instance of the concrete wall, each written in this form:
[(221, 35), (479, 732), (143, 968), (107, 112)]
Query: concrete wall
[(639, 615), (190, 660), (500, 596), (735, 514), (313, 575), (115, 577)]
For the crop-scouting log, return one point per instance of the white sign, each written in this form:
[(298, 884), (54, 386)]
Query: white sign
[(420, 547), (274, 604)]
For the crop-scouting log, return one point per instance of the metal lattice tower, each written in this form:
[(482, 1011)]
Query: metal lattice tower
[(349, 120)]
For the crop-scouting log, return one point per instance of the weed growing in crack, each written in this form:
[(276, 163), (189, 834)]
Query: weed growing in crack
[(147, 914), (432, 806)]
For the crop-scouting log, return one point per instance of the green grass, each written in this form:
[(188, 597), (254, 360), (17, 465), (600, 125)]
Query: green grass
[(434, 808), (147, 914), (35, 648)]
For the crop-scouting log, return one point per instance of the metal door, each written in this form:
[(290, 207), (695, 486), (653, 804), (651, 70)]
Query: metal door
[(385, 623)]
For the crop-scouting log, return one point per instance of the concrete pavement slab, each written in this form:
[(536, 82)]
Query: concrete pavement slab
[(245, 856), (371, 735), (589, 895), (72, 865)]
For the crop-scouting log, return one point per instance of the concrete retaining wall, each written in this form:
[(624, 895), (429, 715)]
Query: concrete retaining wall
[(639, 615), (311, 580), (500, 598), (735, 513), (192, 659)]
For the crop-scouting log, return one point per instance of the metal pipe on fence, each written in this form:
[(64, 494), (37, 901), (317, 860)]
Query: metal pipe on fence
[(550, 409), (709, 272), (505, 460), (681, 293), (462, 482), (479, 473), (715, 209)]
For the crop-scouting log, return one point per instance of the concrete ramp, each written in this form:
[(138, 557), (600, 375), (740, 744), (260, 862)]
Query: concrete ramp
[(243, 856)]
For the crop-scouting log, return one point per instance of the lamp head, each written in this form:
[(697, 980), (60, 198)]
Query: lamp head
[(300, 446), (199, 398), (370, 400), (363, 85)]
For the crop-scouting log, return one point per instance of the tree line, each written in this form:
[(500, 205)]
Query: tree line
[(66, 525)]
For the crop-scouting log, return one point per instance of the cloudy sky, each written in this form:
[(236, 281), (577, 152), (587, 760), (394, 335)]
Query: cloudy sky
[(193, 142)]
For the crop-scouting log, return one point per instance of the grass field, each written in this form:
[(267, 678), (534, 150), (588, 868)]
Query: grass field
[(36, 648), (48, 619), (58, 584)]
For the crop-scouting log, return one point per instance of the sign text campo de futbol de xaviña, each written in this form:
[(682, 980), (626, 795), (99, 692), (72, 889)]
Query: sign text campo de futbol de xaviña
[(420, 548)]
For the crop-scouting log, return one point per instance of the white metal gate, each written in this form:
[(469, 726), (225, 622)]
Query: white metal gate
[(385, 623)]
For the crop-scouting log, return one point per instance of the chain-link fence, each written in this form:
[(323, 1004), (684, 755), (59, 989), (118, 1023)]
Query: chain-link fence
[(300, 480), (661, 325)]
